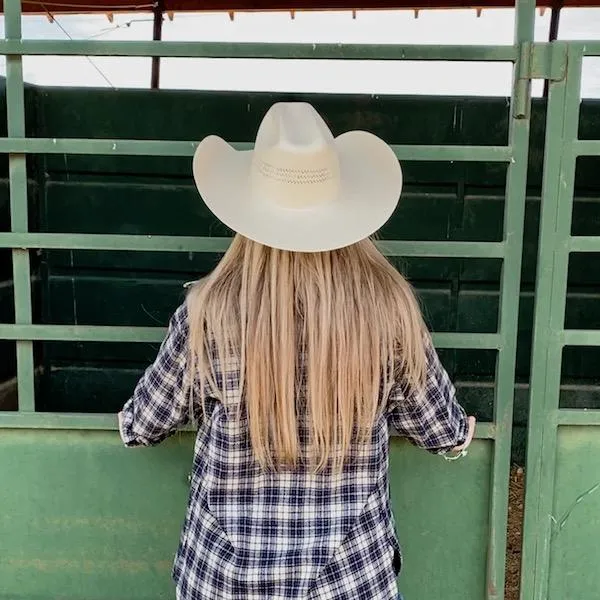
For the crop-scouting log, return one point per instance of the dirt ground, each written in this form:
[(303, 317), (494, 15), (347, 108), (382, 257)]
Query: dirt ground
[(515, 528)]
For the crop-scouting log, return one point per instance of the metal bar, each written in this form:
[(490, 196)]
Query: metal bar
[(574, 416), (466, 341), (552, 36), (553, 253), (117, 147), (82, 333), (163, 243), (586, 147), (541, 334), (138, 243), (584, 243), (108, 422), (159, 7), (258, 50), (42, 420), (17, 174), (514, 217), (581, 337), (110, 333), (587, 47), (554, 23), (443, 249)]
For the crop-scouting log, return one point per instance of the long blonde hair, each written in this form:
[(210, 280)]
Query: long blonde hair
[(345, 321)]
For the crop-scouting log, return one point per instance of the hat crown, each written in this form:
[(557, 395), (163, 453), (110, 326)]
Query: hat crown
[(293, 126), (295, 164)]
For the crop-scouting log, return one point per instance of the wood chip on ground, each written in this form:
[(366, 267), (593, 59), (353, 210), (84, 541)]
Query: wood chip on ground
[(516, 498)]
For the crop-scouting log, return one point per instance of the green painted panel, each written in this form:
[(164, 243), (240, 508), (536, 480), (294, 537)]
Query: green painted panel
[(194, 264), (135, 114), (152, 208), (8, 366), (580, 364), (574, 572), (478, 310), (149, 301), (581, 394), (584, 269), (105, 387), (442, 521), (583, 308), (440, 270), (482, 215), (589, 120), (86, 518), (110, 300), (76, 355), (87, 389), (130, 208), (482, 221), (5, 259), (586, 211)]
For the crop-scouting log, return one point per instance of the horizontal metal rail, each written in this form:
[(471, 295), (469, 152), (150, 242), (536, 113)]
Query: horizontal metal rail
[(578, 416), (258, 50), (587, 47), (108, 422), (113, 333), (587, 147), (119, 147), (587, 243), (168, 243), (580, 337)]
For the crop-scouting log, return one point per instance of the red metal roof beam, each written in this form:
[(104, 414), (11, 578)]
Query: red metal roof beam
[(112, 6)]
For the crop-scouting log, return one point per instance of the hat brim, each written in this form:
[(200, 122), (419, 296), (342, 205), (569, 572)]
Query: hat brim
[(371, 182)]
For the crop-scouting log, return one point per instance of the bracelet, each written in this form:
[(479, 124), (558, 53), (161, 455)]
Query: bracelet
[(457, 456)]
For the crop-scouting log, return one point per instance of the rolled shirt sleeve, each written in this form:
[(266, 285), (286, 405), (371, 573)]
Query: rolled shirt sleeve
[(431, 419), (160, 402)]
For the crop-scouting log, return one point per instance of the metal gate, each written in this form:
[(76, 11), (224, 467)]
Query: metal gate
[(561, 532), (44, 456)]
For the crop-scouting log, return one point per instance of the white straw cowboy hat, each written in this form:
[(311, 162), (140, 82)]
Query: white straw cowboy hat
[(300, 189)]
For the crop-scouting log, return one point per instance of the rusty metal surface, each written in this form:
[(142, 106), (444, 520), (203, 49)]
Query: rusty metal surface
[(85, 6)]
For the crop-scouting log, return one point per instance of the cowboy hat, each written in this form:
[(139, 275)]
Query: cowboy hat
[(300, 189)]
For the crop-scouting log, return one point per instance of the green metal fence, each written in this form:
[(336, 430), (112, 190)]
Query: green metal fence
[(530, 60), (562, 463)]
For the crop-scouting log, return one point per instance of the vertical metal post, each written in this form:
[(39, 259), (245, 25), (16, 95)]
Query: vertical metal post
[(553, 35), (514, 212), (15, 103), (562, 123), (157, 35)]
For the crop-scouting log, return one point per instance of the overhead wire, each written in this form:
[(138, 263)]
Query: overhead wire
[(59, 25), (95, 6), (107, 30)]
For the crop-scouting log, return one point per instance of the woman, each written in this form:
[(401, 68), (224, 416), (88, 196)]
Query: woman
[(296, 357)]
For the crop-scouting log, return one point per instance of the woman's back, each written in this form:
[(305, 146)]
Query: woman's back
[(290, 525), (288, 532), (296, 365)]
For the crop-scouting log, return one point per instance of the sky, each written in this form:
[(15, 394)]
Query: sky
[(493, 26)]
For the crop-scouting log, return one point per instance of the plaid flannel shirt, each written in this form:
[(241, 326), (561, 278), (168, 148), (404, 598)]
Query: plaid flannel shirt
[(255, 535)]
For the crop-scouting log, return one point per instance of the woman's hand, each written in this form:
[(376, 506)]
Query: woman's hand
[(469, 439)]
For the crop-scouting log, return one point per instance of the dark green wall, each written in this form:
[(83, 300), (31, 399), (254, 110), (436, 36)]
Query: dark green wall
[(455, 201)]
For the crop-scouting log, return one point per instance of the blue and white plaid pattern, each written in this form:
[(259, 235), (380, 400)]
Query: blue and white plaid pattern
[(255, 535)]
